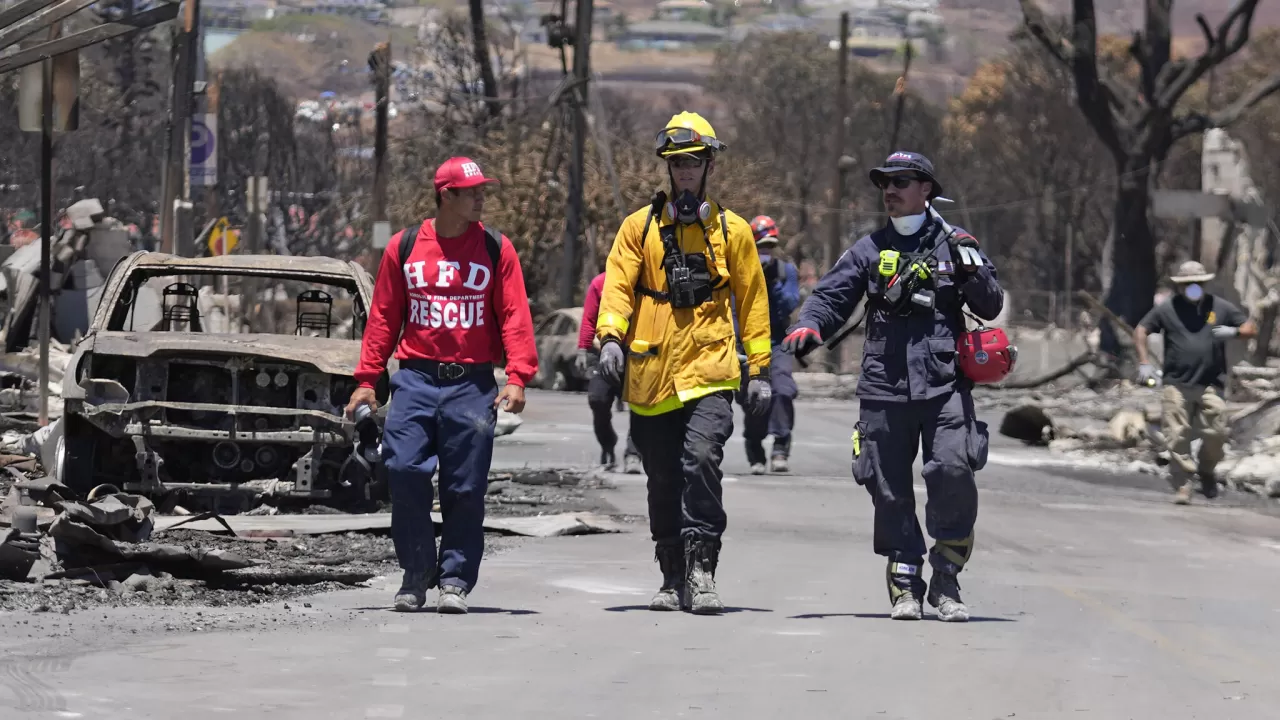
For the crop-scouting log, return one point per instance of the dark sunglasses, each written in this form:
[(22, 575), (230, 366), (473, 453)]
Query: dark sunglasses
[(686, 161), (902, 182)]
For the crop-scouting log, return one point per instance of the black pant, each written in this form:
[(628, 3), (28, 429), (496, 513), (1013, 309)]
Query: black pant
[(781, 417), (600, 397), (681, 451), (955, 447)]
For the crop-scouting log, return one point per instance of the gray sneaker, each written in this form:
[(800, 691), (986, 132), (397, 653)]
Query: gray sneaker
[(944, 594), (453, 601), (757, 469), (907, 607), (413, 592), (631, 465), (779, 464)]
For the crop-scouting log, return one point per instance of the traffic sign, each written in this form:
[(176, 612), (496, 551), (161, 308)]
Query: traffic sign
[(222, 240), (204, 150)]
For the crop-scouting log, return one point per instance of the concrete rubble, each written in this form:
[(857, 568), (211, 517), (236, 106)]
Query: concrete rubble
[(1120, 430)]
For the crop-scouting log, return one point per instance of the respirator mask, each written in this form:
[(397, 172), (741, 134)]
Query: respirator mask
[(687, 209)]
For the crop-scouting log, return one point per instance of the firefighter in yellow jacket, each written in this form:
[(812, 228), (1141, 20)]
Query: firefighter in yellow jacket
[(666, 314)]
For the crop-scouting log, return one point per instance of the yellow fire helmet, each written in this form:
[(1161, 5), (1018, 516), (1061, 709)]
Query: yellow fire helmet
[(687, 133)]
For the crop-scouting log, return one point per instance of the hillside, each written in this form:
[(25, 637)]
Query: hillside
[(306, 54)]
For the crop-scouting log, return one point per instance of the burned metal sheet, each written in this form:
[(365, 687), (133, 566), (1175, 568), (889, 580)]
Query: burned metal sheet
[(581, 523), (329, 355)]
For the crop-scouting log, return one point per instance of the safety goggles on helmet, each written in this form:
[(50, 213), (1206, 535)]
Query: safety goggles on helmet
[(676, 138)]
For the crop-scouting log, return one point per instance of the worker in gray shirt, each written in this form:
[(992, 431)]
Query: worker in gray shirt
[(1196, 326)]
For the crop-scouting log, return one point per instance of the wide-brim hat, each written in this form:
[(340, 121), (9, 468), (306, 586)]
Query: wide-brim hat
[(1191, 272), (903, 161)]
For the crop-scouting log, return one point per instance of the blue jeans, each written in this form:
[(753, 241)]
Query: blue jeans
[(448, 423)]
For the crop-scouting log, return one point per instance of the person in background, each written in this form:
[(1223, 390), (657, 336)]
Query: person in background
[(1196, 326), (601, 394), (783, 283)]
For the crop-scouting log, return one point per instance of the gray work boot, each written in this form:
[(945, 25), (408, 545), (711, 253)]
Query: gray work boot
[(670, 558), (1183, 495), (779, 464), (905, 590), (701, 555), (758, 469), (413, 591), (944, 594), (453, 601)]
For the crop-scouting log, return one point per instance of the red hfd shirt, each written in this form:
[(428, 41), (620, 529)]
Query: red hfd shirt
[(447, 303)]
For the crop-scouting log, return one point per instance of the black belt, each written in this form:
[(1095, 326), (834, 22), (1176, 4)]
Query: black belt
[(658, 295), (446, 370)]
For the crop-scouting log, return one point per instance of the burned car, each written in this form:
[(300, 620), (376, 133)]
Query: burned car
[(173, 402)]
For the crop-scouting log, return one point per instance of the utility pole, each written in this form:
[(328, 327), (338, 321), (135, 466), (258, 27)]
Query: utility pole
[(255, 228), (835, 240), (380, 65), (1067, 280), (842, 113), (46, 232), (573, 219), (175, 184), (901, 91)]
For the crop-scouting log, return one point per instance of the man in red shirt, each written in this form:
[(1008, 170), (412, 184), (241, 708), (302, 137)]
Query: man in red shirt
[(448, 314), (600, 393)]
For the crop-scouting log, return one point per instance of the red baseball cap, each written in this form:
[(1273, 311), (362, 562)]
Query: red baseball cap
[(460, 172)]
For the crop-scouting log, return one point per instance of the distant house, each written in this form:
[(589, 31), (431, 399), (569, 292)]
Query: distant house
[(684, 10), (670, 35), (773, 24)]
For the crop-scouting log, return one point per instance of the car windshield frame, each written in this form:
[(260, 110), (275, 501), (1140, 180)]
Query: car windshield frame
[(123, 301)]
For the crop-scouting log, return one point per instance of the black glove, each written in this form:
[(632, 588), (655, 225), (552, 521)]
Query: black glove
[(759, 397), (612, 361), (771, 272), (964, 252)]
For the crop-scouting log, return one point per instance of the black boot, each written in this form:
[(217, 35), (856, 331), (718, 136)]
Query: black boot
[(670, 557), (701, 557), (608, 459), (906, 588)]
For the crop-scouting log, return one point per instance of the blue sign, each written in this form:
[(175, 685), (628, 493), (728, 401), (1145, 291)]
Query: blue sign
[(204, 150)]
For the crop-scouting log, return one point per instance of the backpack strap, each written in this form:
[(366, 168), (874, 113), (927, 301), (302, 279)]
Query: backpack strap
[(493, 243), (408, 238)]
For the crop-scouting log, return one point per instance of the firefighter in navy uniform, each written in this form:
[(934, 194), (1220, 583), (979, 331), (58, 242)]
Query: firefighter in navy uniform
[(783, 281), (917, 278)]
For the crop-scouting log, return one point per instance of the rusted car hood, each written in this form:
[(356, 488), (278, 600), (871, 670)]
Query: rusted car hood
[(335, 356)]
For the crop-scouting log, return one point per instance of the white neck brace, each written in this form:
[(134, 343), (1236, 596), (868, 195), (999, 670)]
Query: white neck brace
[(909, 225)]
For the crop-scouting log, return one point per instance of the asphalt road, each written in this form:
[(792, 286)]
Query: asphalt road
[(1092, 598)]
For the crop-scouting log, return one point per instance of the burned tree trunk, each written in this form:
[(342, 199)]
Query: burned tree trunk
[(482, 57), (1131, 254)]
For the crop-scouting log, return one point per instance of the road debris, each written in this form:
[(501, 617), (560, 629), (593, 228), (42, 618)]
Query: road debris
[(63, 551)]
